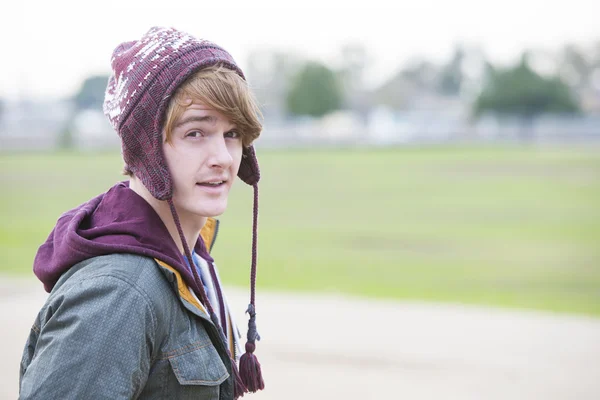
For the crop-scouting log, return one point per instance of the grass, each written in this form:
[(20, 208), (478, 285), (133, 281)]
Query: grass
[(504, 226)]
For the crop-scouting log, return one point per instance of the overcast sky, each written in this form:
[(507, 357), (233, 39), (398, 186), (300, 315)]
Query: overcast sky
[(49, 47)]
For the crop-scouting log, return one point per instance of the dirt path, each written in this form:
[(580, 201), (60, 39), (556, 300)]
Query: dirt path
[(328, 347)]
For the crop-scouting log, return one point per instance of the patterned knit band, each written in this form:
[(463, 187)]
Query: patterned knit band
[(146, 74)]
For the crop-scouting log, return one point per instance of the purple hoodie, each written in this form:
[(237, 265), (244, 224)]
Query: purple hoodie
[(118, 221)]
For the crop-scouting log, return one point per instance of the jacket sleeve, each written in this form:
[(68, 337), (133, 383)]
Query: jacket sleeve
[(95, 340)]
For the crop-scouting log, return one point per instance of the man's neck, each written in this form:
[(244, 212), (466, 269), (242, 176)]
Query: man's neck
[(190, 226)]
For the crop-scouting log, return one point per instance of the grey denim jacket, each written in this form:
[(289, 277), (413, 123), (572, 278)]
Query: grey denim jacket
[(123, 326)]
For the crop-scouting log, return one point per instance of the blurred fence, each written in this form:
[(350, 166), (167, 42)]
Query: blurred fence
[(57, 126)]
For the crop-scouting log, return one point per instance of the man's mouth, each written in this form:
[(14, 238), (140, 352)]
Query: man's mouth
[(211, 183)]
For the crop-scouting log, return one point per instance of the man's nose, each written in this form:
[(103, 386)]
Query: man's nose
[(219, 153)]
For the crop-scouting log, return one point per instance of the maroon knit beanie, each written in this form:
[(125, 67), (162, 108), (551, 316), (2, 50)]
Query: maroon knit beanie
[(146, 74)]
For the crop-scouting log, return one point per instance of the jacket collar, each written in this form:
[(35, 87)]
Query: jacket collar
[(209, 235), (187, 298)]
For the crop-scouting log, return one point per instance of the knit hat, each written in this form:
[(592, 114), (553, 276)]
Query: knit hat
[(146, 74)]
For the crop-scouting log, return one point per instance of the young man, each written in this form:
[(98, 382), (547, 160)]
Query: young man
[(132, 312)]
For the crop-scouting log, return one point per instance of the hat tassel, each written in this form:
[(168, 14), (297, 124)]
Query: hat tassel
[(250, 370)]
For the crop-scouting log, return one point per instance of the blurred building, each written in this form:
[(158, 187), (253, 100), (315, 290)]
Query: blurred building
[(33, 125), (92, 131)]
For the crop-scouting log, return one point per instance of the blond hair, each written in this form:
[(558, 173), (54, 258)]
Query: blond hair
[(223, 90)]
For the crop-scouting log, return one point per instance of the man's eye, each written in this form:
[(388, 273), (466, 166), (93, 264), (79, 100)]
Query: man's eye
[(194, 134), (232, 134)]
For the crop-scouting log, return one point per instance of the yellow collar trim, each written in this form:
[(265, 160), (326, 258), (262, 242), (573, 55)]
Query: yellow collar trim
[(187, 295), (209, 232), (183, 289)]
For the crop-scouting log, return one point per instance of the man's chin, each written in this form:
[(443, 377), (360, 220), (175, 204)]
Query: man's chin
[(208, 213), (201, 209)]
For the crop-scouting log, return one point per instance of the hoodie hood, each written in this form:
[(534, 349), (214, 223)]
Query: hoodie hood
[(118, 221)]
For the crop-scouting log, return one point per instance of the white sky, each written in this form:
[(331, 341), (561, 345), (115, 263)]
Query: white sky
[(49, 47)]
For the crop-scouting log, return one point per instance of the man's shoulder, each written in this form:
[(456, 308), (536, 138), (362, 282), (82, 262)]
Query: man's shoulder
[(128, 266), (133, 271)]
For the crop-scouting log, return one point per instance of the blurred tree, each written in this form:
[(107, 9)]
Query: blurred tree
[(354, 60), (579, 66), (574, 67), (451, 77), (522, 92), (65, 138), (269, 73), (474, 65), (91, 93), (519, 91), (314, 91), (595, 54)]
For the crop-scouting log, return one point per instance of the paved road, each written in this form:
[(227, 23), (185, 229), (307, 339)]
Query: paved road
[(331, 347)]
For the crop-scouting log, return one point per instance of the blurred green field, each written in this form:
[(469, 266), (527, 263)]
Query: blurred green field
[(505, 226)]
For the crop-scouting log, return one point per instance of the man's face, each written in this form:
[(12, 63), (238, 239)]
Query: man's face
[(203, 156)]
